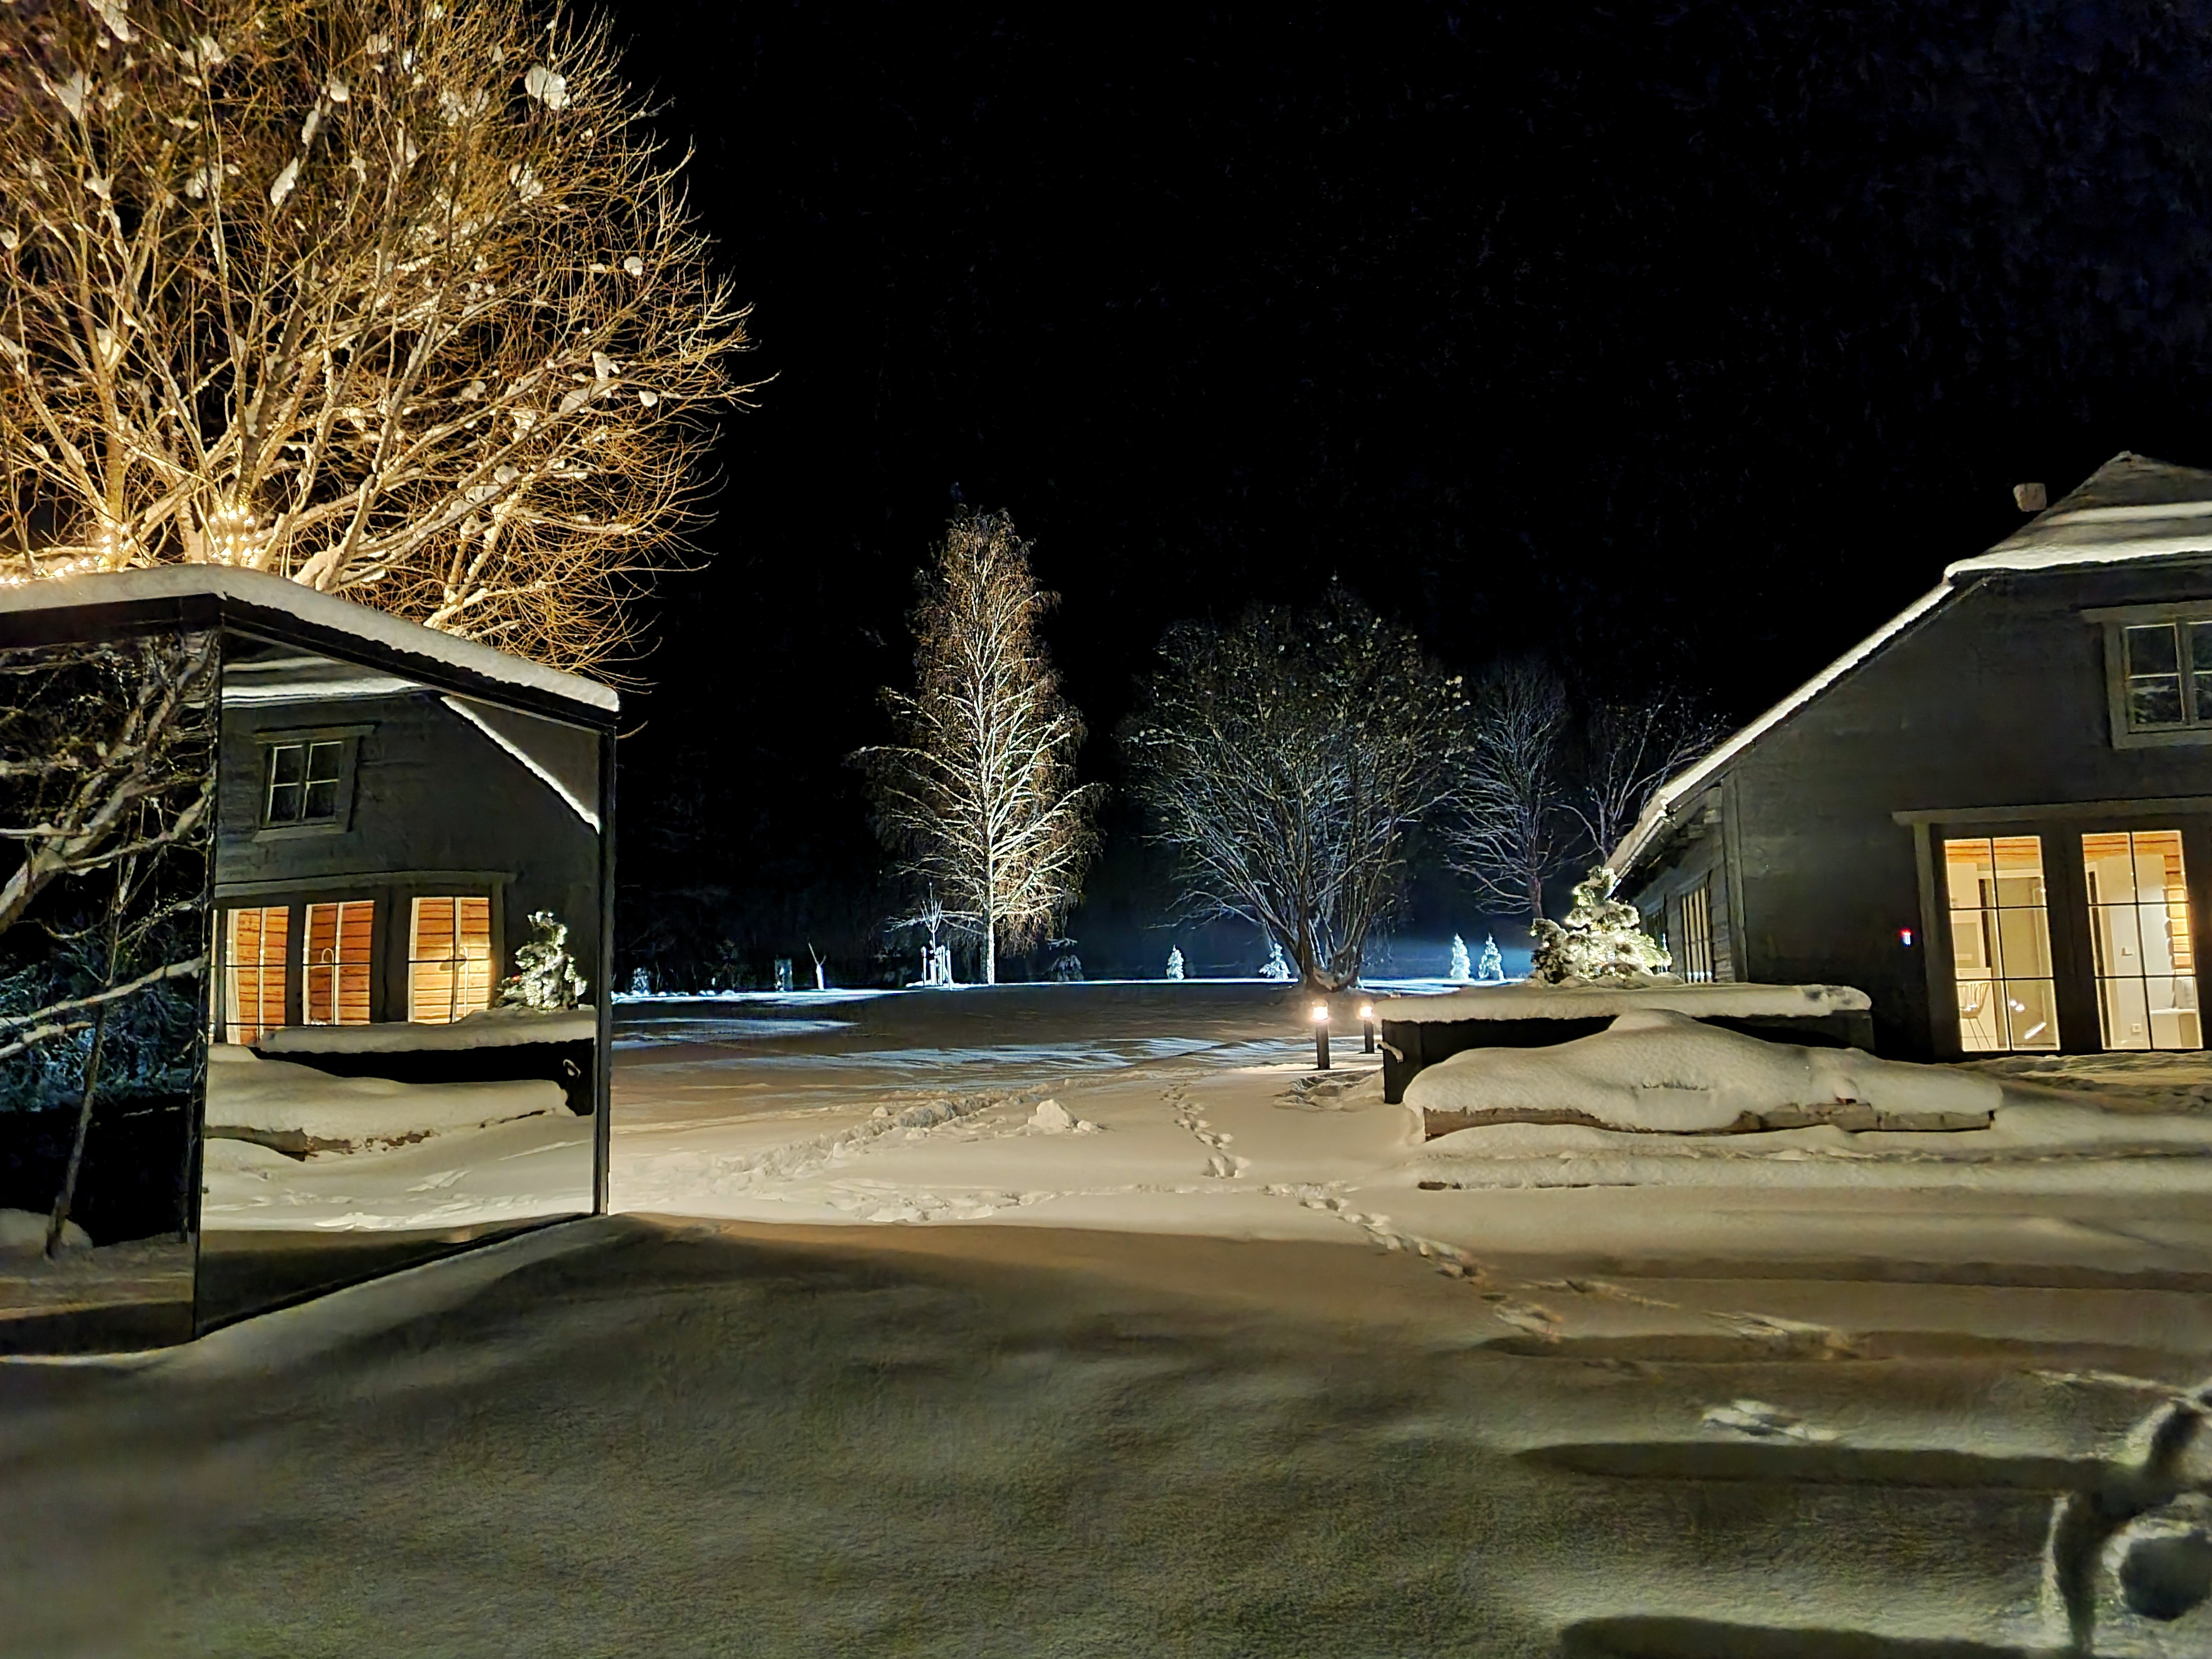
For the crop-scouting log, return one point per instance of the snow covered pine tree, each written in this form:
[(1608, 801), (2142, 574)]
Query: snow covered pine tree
[(1462, 969), (1603, 941), (545, 979)]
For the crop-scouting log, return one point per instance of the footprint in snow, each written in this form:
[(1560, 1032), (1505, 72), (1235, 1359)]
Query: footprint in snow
[(1764, 1422), (1528, 1317)]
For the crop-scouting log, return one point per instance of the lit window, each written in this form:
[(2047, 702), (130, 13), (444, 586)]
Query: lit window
[(303, 782), (449, 960), (254, 962), (1697, 963), (334, 962), (2139, 938), (2001, 945)]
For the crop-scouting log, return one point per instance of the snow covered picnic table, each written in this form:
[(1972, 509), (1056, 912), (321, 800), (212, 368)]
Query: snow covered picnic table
[(1418, 1031)]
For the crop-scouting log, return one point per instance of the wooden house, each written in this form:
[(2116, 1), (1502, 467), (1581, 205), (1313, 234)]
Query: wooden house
[(1995, 815)]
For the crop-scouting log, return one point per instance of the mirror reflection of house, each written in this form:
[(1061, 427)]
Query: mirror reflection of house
[(401, 822), (1995, 815)]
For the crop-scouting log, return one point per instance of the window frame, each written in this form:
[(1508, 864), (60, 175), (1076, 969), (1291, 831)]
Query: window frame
[(2115, 620), (347, 738)]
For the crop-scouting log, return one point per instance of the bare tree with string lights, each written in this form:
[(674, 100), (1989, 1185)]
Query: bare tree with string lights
[(402, 301)]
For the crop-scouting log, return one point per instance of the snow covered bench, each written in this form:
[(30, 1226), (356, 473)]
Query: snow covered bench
[(1418, 1031)]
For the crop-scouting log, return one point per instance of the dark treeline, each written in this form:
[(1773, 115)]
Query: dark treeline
[(1683, 344)]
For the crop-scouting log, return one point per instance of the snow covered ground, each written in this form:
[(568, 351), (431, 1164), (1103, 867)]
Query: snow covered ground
[(897, 1362), (341, 1154)]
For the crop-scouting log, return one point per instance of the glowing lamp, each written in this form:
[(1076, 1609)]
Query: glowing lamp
[(1367, 1028), (1321, 1037)]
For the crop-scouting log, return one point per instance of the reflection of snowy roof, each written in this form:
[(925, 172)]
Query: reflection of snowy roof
[(2131, 507), (270, 592), (1530, 1000)]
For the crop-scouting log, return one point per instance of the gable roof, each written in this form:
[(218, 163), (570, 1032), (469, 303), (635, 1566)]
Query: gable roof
[(2131, 507)]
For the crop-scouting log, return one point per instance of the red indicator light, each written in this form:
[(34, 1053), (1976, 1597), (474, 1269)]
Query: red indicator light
[(1905, 936)]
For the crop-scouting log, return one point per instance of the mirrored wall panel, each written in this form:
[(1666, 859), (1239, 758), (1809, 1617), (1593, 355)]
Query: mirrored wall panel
[(107, 796), (401, 1019)]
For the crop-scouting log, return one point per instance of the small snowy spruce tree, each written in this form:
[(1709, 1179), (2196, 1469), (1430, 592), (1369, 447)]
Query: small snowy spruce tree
[(545, 979), (1175, 961), (1277, 968), (1603, 941), (1491, 968), (1460, 968)]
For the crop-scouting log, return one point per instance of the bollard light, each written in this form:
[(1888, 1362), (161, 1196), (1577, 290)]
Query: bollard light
[(1367, 1027), (1321, 1037)]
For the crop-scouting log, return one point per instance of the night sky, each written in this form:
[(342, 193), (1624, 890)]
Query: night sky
[(1681, 342)]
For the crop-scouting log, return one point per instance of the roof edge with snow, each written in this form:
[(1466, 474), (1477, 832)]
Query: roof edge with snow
[(2131, 507), (262, 590)]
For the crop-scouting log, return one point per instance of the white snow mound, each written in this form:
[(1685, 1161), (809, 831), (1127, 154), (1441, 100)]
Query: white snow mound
[(1655, 1070), (1051, 1118), (494, 1028), (1530, 1000), (276, 1096)]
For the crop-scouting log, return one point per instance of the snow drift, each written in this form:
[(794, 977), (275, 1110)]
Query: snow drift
[(1653, 1070), (298, 1108)]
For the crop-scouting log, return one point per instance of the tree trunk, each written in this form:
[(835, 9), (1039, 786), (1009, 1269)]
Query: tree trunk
[(1535, 896), (67, 1196)]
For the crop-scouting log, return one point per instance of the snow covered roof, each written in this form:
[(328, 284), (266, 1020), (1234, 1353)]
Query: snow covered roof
[(2131, 507), (266, 592)]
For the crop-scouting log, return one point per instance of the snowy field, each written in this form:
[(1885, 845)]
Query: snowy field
[(1077, 1320)]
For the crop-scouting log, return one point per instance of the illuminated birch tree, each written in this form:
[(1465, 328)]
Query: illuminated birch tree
[(979, 797), (401, 302)]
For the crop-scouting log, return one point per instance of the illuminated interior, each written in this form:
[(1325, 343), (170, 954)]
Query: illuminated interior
[(335, 965), (2001, 945), (449, 960), (253, 961), (2145, 960)]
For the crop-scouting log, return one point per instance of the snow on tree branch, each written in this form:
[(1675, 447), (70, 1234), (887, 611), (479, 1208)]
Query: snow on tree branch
[(404, 302), (1509, 834), (1284, 760)]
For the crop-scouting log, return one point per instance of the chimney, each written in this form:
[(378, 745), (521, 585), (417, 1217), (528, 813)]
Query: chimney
[(2030, 498)]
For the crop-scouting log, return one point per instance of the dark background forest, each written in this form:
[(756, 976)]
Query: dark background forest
[(1679, 342)]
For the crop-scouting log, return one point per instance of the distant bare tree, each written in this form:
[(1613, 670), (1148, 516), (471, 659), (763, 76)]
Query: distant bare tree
[(1285, 761), (400, 300), (1630, 749), (979, 796), (1508, 836)]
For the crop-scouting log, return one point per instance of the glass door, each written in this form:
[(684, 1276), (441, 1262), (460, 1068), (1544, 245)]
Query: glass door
[(335, 964), (2139, 938), (2001, 945)]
